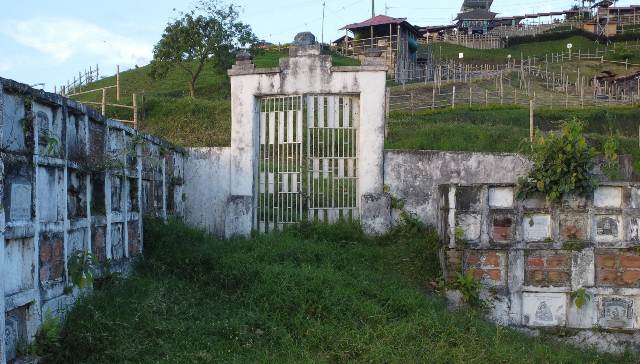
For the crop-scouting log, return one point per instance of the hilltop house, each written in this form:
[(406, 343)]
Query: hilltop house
[(394, 37)]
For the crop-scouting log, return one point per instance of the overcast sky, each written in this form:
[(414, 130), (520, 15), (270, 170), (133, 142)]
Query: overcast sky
[(50, 41)]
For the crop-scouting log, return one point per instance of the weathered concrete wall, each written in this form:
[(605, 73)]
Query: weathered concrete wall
[(533, 255), (71, 180), (414, 176), (207, 188)]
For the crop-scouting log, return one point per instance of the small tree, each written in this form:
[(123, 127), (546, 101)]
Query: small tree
[(210, 34)]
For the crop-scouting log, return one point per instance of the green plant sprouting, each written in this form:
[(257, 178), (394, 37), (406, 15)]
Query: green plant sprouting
[(611, 167), (47, 340), (469, 287), (50, 140), (459, 233), (580, 297), (562, 164), (82, 268)]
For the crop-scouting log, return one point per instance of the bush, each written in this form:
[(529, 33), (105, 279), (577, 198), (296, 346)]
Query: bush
[(562, 164)]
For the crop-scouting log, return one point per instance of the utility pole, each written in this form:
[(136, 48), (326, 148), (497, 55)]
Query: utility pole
[(373, 8), (322, 35)]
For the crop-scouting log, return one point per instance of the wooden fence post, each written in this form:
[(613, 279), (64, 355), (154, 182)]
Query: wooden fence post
[(135, 112), (433, 99), (104, 101), (453, 98), (118, 82), (531, 126)]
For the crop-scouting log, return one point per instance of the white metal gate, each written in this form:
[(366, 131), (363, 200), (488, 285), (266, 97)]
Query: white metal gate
[(307, 165)]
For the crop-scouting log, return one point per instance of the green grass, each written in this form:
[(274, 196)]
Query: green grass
[(313, 294), (447, 51), (169, 112), (504, 128)]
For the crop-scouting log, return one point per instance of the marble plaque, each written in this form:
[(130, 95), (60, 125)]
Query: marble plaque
[(544, 309), (608, 197), (616, 312), (537, 227), (608, 228), (20, 209), (501, 197)]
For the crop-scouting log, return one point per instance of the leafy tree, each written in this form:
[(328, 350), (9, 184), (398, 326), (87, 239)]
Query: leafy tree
[(210, 34)]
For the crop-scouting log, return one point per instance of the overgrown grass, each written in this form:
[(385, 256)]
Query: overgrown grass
[(316, 293), (504, 128)]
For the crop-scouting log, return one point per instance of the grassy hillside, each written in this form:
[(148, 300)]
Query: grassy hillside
[(169, 112), (506, 128), (447, 51), (314, 294)]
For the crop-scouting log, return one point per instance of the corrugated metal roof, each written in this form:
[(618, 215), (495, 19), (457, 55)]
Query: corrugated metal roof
[(376, 20)]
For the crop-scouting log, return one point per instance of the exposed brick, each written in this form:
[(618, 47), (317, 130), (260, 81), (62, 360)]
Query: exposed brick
[(502, 232), (607, 277), (478, 274), (536, 277), (45, 252), (535, 262), (492, 259), (558, 261), (558, 277), (631, 277), (473, 259), (606, 261), (630, 261), (494, 274), (58, 248)]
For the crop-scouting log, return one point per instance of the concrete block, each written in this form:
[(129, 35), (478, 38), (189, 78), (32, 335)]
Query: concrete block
[(20, 205), (576, 202), (18, 269), (585, 317), (51, 192), (77, 241), (99, 242), (117, 241), (538, 201), (471, 224), (133, 241), (608, 228), (238, 216), (634, 202), (537, 227), (608, 197), (468, 198), (375, 212), (583, 268), (515, 282), (501, 197), (544, 309), (618, 312), (632, 229)]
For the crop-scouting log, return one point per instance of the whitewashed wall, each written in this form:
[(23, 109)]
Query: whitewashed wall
[(54, 200)]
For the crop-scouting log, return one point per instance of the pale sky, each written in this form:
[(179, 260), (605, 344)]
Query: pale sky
[(49, 41)]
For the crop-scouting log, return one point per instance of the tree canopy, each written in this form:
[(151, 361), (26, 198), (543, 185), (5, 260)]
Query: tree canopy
[(209, 34)]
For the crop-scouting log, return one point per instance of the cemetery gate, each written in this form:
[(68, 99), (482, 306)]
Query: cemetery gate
[(307, 166)]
